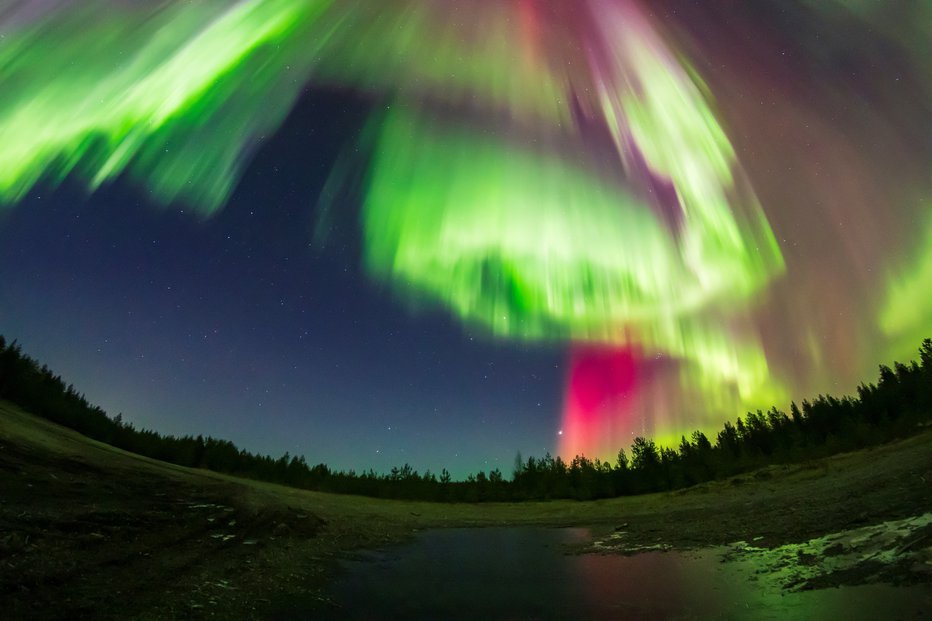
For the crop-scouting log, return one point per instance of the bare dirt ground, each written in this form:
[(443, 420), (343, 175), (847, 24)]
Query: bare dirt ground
[(90, 531)]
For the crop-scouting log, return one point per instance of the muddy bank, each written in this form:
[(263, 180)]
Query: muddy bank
[(896, 552)]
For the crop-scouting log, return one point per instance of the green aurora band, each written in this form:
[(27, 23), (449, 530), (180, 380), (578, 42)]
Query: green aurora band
[(535, 248), (174, 95), (904, 317)]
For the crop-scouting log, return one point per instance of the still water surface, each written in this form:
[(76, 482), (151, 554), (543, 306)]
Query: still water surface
[(536, 573)]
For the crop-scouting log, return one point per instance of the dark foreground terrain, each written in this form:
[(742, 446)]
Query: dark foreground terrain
[(87, 530)]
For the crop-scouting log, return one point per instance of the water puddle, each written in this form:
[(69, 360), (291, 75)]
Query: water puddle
[(535, 573)]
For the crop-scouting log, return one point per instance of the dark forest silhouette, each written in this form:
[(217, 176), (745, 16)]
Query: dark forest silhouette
[(896, 406)]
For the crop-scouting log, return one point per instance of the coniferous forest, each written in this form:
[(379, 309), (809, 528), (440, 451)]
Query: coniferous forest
[(897, 405)]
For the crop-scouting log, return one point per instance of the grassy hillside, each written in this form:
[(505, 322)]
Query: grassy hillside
[(89, 529)]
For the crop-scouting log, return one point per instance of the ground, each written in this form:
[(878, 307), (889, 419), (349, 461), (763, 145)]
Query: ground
[(87, 530)]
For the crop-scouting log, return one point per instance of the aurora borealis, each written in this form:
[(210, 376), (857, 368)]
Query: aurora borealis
[(700, 210)]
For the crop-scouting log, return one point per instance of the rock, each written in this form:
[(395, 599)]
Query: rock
[(13, 542)]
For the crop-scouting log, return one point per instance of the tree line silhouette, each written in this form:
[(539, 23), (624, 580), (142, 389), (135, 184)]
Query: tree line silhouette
[(897, 405)]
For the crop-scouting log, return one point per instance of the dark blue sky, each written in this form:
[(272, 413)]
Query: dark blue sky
[(251, 326), (239, 327)]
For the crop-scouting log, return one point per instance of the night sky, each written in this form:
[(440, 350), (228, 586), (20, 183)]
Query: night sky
[(443, 233)]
